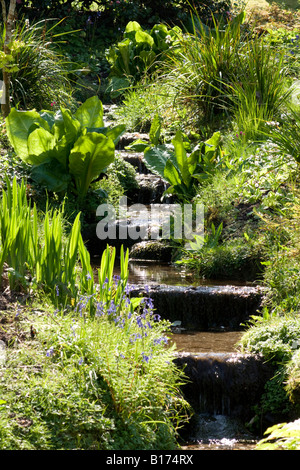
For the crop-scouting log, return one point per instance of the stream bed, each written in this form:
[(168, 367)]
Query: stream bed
[(221, 379), (208, 318)]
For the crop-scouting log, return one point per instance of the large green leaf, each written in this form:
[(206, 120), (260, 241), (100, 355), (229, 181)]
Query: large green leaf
[(48, 116), (90, 113), (113, 133), (171, 174), (117, 86), (66, 130), (41, 144), (155, 129), (19, 125), (125, 49), (213, 142), (156, 158), (131, 28), (51, 175), (144, 37), (181, 158), (91, 153)]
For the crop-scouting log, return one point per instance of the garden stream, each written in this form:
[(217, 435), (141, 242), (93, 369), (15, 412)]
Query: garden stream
[(207, 318)]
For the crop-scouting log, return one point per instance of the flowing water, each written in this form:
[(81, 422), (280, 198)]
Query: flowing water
[(208, 349), (158, 273), (214, 430)]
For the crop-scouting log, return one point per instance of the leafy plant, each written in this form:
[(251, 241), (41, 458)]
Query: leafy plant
[(173, 164), (40, 74), (259, 89), (282, 436), (137, 53), (64, 149), (37, 252), (205, 60), (286, 134)]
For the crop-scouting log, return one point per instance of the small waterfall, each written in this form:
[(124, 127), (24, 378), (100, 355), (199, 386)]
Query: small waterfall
[(204, 307), (224, 383), (223, 387), (135, 159)]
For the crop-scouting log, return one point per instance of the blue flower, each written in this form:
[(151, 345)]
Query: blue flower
[(112, 309), (50, 352), (162, 340), (88, 276), (145, 357), (139, 322), (99, 309)]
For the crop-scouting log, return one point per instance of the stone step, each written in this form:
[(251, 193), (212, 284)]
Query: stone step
[(136, 159), (204, 307), (224, 383)]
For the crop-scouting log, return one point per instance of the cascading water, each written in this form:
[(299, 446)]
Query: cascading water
[(207, 316)]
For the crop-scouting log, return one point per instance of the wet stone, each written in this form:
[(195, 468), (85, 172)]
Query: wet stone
[(151, 250), (204, 307)]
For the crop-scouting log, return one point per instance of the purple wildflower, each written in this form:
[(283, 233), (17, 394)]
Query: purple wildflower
[(50, 352)]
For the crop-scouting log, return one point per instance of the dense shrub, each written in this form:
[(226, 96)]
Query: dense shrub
[(148, 12)]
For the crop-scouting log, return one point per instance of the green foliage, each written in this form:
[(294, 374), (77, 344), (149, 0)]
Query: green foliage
[(206, 59), (259, 90), (62, 148), (138, 53), (124, 172), (40, 74), (37, 253), (174, 165), (278, 342), (215, 258), (283, 436), (286, 134), (108, 380)]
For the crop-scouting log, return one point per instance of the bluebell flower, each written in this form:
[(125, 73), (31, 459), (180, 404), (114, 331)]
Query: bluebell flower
[(112, 309), (145, 357), (139, 322), (162, 340), (99, 309), (50, 352), (88, 276), (80, 362)]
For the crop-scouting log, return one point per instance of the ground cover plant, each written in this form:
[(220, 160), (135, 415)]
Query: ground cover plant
[(86, 316), (216, 137)]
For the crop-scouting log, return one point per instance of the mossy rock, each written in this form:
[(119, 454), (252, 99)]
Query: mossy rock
[(152, 251)]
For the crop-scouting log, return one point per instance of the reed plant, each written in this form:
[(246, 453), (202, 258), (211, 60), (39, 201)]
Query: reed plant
[(15, 233), (42, 75), (205, 61), (39, 254), (37, 251), (260, 90), (286, 134)]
